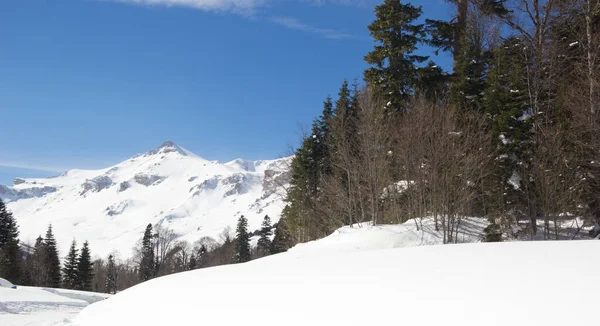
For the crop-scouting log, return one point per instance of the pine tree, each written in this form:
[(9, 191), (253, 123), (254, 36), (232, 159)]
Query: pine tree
[(264, 242), (242, 241), (394, 64), (111, 275), (85, 269), (51, 262), (69, 269), (10, 257), (283, 238), (147, 266)]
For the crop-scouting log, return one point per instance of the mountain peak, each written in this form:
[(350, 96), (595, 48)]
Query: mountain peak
[(168, 143), (169, 147)]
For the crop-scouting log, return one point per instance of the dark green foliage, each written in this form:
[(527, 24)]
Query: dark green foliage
[(283, 237), (242, 241), (111, 275), (192, 263), (394, 65), (69, 270), (507, 109), (85, 269), (264, 242), (468, 85), (50, 261), (147, 268), (10, 255)]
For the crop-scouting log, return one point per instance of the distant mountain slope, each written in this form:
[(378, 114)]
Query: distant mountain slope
[(169, 185)]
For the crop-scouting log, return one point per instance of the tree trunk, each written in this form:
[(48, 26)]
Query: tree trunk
[(590, 49), (461, 26)]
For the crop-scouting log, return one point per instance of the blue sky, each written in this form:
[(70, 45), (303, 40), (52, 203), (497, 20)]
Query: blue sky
[(89, 83)]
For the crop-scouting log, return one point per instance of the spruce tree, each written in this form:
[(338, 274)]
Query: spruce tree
[(10, 257), (147, 266), (242, 241), (192, 262), (85, 269), (51, 262), (394, 64), (34, 271), (264, 242), (283, 238), (111, 275), (69, 270)]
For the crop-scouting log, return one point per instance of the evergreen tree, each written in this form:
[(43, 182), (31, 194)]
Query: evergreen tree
[(10, 257), (201, 257), (147, 267), (242, 241), (507, 108), (111, 275), (85, 269), (51, 262), (70, 276), (394, 64), (264, 242), (192, 262), (283, 237), (34, 262)]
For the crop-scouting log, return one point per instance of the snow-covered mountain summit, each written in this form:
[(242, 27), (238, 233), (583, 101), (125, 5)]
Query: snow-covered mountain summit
[(169, 185)]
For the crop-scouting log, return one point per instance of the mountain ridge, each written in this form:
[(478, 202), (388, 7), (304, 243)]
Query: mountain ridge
[(168, 185)]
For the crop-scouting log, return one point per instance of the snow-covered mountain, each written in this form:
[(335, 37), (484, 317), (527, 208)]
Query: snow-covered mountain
[(169, 185)]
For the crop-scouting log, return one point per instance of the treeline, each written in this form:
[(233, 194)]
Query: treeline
[(40, 265), (158, 253), (512, 133)]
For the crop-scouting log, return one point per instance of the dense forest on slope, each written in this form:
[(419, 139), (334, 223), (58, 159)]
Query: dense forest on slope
[(510, 134)]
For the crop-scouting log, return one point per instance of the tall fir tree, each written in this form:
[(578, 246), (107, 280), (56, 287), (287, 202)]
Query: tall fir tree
[(192, 262), (242, 241), (85, 269), (394, 63), (111, 275), (51, 262), (511, 122), (283, 237), (69, 270), (264, 242), (147, 266), (10, 256)]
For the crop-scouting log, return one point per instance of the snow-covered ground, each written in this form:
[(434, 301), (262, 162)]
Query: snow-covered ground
[(168, 185), (360, 276), (40, 306)]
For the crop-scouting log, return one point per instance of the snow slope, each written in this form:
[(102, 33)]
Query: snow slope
[(40, 306), (518, 283), (169, 185)]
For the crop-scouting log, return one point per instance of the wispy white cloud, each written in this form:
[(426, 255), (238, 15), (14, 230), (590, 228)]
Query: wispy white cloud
[(295, 24), (237, 6), (249, 7), (28, 166)]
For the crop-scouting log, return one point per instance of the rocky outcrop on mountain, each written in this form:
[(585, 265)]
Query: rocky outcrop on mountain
[(11, 194), (96, 184), (148, 180)]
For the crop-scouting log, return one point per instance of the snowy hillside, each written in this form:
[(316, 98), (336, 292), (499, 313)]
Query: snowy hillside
[(40, 306), (169, 185), (349, 278)]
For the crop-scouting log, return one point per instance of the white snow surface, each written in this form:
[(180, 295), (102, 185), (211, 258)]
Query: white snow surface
[(357, 277), (43, 306), (168, 185)]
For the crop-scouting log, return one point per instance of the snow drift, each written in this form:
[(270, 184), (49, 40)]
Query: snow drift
[(519, 283)]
